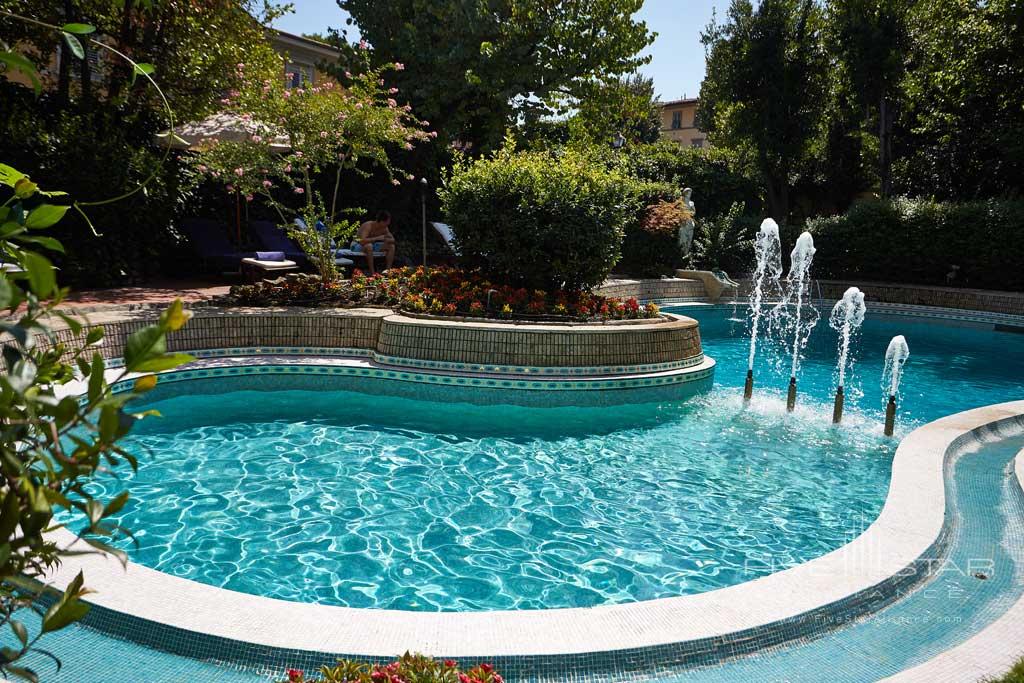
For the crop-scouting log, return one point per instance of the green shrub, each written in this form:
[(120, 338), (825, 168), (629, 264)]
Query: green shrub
[(716, 175), (920, 241), (1014, 675), (651, 244), (724, 242), (537, 219)]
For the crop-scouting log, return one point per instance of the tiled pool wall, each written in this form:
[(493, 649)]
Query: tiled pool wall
[(265, 373), (608, 665)]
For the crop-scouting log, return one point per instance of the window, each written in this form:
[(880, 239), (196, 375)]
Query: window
[(297, 75), (677, 120), (697, 143)]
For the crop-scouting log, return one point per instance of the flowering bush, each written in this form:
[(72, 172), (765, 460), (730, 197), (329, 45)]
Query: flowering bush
[(406, 669), (439, 291), (293, 134)]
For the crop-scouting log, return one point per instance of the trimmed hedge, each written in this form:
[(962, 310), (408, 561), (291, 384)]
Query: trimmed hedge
[(538, 220), (920, 241)]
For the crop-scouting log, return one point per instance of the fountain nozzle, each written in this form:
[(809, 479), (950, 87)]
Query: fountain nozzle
[(791, 396), (748, 386), (890, 415), (837, 409)]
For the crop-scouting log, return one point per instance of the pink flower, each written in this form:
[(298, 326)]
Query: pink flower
[(248, 197), (257, 138), (239, 172), (392, 103), (396, 181), (267, 183), (202, 168), (229, 188), (363, 45), (323, 133), (408, 145), (234, 93), (348, 74), (240, 66), (359, 105), (287, 94), (433, 133), (399, 66), (392, 90), (298, 154), (287, 168), (299, 190), (410, 177)]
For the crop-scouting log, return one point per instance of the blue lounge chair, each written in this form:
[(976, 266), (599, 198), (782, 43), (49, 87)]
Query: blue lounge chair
[(208, 239), (272, 238), (340, 259)]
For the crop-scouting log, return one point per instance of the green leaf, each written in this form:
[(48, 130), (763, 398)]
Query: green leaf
[(6, 292), (96, 378), (94, 335), (142, 69), (41, 276), (143, 345), (114, 506), (21, 672), (43, 241), (110, 420), (164, 362), (45, 215), (67, 610), (80, 29), (20, 631), (10, 175), (74, 45), (18, 63), (176, 316)]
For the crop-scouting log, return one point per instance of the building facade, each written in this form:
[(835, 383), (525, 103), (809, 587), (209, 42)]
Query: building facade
[(301, 56), (678, 123)]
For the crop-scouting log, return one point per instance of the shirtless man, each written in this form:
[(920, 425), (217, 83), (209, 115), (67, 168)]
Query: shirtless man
[(377, 231)]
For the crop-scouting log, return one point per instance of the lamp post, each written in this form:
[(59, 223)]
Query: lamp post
[(423, 206)]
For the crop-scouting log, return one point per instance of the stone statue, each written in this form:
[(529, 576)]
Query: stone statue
[(686, 229)]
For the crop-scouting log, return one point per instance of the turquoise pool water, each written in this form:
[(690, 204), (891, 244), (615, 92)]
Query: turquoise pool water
[(347, 498)]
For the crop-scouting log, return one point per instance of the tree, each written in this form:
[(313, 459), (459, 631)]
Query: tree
[(963, 124), (326, 130), (623, 105), (473, 67), (869, 38), (766, 72)]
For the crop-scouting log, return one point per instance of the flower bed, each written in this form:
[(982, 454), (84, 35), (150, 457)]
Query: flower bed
[(406, 669), (438, 291)]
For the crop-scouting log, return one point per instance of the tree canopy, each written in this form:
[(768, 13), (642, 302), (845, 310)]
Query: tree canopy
[(475, 66)]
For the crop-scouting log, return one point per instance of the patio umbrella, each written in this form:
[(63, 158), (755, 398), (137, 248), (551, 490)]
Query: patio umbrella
[(227, 127), (221, 126)]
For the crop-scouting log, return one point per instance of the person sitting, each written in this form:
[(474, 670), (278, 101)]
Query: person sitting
[(375, 237)]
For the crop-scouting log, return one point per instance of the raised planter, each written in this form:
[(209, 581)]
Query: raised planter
[(620, 346)]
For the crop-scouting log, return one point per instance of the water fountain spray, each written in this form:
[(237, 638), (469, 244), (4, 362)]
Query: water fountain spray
[(895, 358), (847, 317), (768, 252), (799, 279)]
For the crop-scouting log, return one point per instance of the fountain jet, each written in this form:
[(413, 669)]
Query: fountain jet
[(768, 252), (847, 317), (895, 358), (801, 320)]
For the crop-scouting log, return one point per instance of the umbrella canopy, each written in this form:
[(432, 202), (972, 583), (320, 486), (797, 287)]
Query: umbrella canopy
[(221, 126)]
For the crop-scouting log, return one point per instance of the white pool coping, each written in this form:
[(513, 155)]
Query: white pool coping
[(911, 520), (989, 653)]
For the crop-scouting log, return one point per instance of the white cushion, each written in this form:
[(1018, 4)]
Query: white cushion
[(269, 265)]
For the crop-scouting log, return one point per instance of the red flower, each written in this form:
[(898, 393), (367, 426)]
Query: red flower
[(463, 678), (486, 668), (295, 676)]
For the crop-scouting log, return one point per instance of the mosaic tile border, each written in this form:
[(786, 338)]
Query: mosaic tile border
[(893, 556), (440, 366), (274, 366)]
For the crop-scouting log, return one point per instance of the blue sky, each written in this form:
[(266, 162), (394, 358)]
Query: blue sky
[(678, 57)]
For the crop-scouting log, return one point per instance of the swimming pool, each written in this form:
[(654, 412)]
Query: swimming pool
[(347, 498)]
